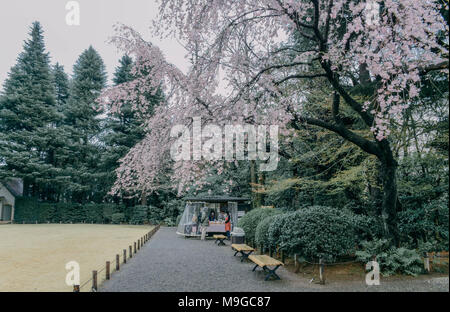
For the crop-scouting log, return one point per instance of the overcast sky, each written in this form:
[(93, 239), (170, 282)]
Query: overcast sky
[(65, 43)]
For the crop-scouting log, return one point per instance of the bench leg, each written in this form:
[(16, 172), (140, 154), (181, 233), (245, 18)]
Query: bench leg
[(254, 268), (271, 273), (245, 255), (236, 253)]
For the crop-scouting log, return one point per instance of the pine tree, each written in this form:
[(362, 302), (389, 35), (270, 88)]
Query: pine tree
[(125, 129), (61, 84), (122, 130), (28, 119), (83, 120)]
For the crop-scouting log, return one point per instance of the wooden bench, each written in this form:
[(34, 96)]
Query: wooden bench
[(265, 262), (243, 249), (219, 239)]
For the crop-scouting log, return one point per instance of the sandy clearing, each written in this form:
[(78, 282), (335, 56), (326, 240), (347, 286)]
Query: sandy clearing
[(33, 257)]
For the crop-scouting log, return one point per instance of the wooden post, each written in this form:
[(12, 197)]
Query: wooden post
[(134, 247), (139, 244), (94, 280), (322, 272), (117, 262), (76, 288), (262, 248), (270, 251), (283, 258), (426, 262), (142, 241), (124, 256), (107, 270), (131, 252)]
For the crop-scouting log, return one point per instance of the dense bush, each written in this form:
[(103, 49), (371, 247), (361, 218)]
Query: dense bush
[(26, 209), (118, 218), (366, 227), (276, 228), (392, 260), (94, 213), (427, 224), (318, 232), (251, 219), (29, 210), (140, 214), (262, 230)]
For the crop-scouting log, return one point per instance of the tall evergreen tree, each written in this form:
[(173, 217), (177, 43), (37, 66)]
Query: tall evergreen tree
[(28, 119), (123, 129), (83, 120), (61, 84)]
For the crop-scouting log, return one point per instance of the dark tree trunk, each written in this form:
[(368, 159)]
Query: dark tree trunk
[(144, 199), (388, 172)]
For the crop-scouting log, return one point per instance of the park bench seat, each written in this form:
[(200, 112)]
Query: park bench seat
[(243, 249), (265, 262), (219, 239)]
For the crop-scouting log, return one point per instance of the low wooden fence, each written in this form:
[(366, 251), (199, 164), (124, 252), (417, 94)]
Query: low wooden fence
[(122, 258)]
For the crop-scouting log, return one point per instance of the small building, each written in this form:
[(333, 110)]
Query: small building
[(190, 224), (9, 190)]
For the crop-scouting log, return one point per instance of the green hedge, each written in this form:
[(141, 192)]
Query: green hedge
[(29, 210), (263, 230), (250, 221), (319, 232)]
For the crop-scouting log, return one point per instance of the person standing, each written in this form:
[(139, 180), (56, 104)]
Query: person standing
[(205, 223), (228, 225)]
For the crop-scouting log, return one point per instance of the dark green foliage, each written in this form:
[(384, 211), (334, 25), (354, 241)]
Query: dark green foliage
[(276, 229), (262, 231), (250, 221), (392, 260), (29, 140), (83, 166), (26, 209), (118, 218), (61, 85), (94, 213), (427, 224), (140, 214), (318, 232)]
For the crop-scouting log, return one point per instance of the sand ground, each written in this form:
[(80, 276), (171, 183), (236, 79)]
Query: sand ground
[(33, 257)]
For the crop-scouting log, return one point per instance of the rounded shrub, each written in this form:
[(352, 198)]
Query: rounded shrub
[(318, 232), (275, 229), (262, 230), (251, 219)]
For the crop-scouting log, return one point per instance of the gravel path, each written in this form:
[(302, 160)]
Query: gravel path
[(169, 263)]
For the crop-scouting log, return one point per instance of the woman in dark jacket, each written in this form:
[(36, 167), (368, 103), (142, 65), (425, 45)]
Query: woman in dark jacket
[(212, 216)]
